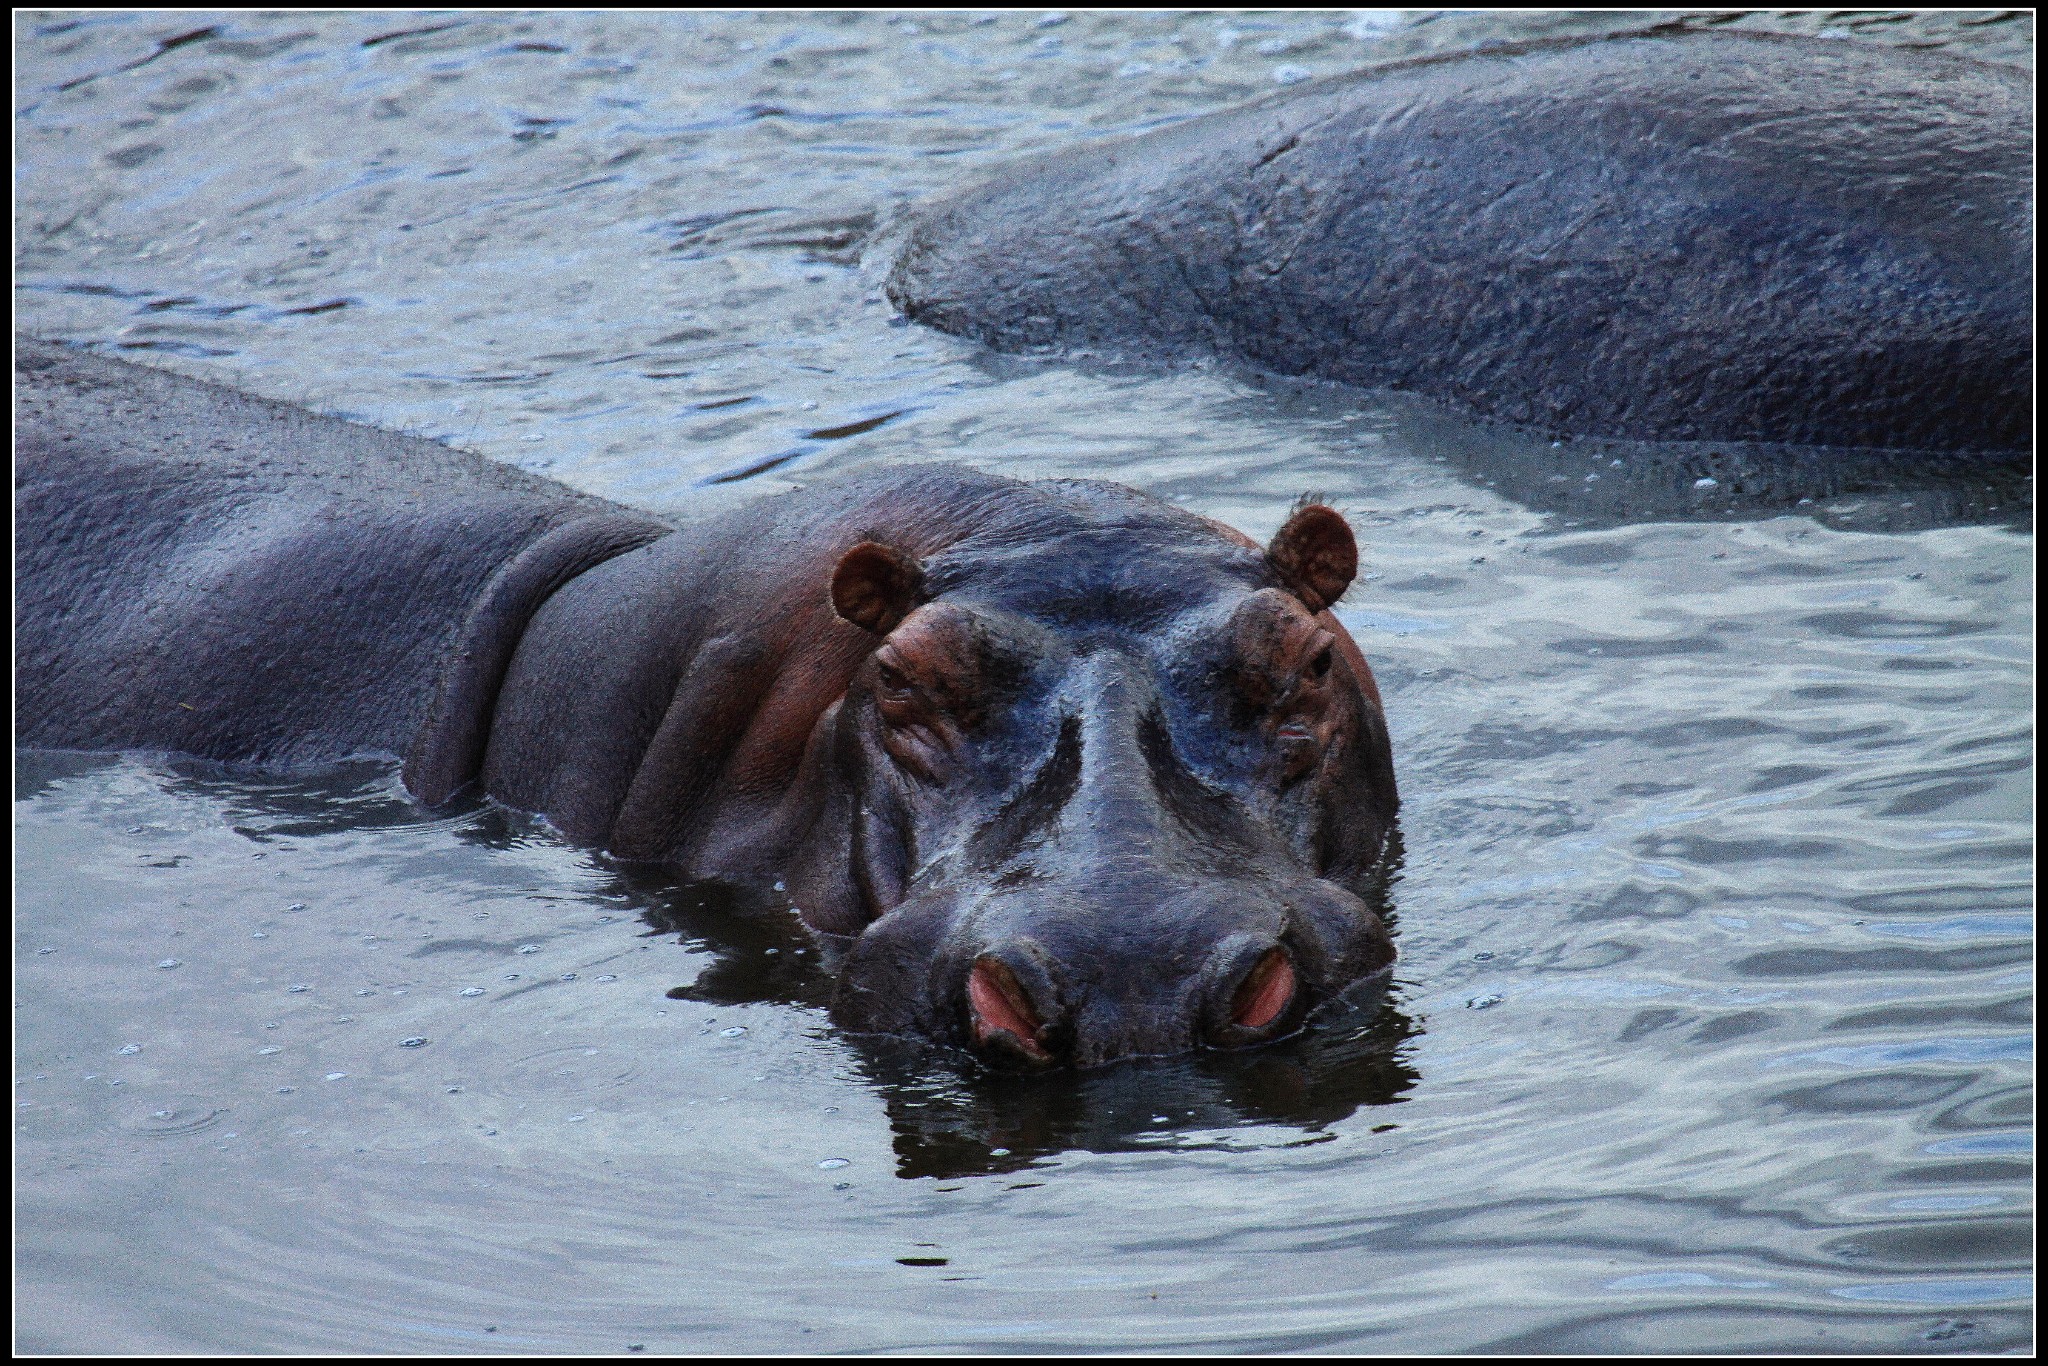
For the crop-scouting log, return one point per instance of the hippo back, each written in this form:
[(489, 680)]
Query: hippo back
[(204, 572), (1676, 236)]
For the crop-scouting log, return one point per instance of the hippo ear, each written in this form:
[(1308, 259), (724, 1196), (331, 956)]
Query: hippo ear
[(1314, 555), (875, 586)]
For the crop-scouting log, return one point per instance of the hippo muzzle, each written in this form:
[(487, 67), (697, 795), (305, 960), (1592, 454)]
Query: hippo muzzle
[(1082, 976)]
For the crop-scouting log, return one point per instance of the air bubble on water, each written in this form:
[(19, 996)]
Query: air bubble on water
[(529, 948), (511, 976), (1482, 1002), (842, 1185), (472, 991), (766, 952), (578, 1119), (296, 906), (734, 1032), (1290, 75), (258, 934), (779, 887), (286, 1090), (568, 976), (40, 952), (416, 1041), (833, 1164), (168, 963), (367, 991), (998, 1152), (1705, 483), (130, 1050), (607, 977), (300, 986), (1482, 955), (267, 1050), (336, 1076)]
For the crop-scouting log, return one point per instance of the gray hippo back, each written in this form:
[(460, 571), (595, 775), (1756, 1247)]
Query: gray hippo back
[(1682, 236), (200, 571)]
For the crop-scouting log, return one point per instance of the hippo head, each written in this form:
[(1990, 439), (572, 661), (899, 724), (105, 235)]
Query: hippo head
[(1114, 792)]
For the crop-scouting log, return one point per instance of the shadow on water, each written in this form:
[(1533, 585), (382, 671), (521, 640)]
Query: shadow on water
[(1599, 482), (1595, 482)]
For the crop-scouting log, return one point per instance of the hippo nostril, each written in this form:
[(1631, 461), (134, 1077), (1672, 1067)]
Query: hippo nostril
[(1002, 1011), (1266, 992)]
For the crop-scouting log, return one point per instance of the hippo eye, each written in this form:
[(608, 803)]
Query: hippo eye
[(893, 690)]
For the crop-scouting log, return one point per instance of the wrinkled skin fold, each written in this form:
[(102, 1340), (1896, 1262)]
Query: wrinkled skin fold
[(1076, 774)]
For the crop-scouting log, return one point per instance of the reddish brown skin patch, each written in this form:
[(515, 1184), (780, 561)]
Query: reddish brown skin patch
[(929, 687), (1266, 991), (1348, 651), (999, 1006), (1279, 647), (875, 586), (1315, 555)]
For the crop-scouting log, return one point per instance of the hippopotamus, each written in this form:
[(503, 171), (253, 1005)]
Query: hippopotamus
[(1671, 236), (1070, 774)]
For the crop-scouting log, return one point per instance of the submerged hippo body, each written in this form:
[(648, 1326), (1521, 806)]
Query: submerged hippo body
[(1679, 236), (1080, 774)]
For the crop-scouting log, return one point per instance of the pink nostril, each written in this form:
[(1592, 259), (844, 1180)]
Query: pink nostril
[(1000, 1006), (1265, 992)]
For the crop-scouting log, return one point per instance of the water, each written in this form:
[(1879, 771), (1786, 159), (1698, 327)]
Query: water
[(1711, 1025)]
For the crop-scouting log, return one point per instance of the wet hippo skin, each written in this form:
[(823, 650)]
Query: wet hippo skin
[(1080, 775), (1676, 236)]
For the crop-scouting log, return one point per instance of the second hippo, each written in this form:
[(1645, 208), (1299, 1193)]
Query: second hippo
[(1673, 236)]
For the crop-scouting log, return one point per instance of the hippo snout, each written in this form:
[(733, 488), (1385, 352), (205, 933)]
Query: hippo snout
[(1058, 983), (1018, 1009)]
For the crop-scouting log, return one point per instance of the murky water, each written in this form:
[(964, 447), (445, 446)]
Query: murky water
[(1711, 1025)]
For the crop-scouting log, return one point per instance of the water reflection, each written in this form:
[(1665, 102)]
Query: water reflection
[(954, 1116), (1595, 482), (950, 1114)]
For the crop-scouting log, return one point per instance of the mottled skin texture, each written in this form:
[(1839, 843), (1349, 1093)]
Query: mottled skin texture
[(1077, 774), (1681, 236)]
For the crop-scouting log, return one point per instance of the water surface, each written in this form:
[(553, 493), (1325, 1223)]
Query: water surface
[(1711, 1027)]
